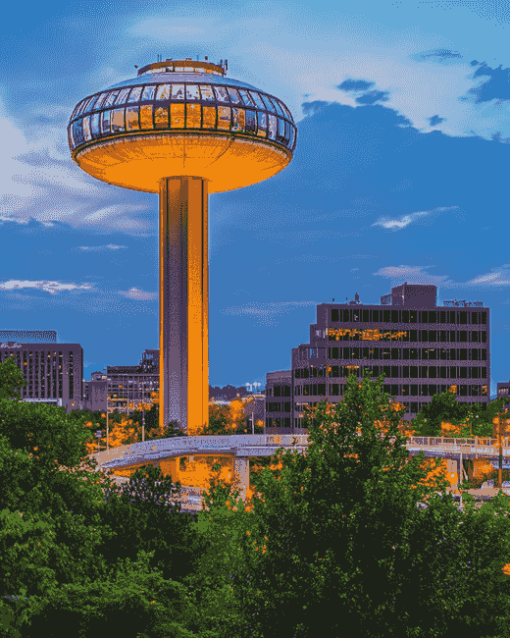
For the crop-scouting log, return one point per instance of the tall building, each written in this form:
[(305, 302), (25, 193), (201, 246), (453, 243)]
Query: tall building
[(279, 401), (423, 350), (504, 392), (182, 129), (53, 371)]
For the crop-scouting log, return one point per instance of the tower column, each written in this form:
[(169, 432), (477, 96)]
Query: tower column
[(183, 303)]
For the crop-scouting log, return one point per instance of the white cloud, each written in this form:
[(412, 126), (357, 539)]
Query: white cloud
[(265, 313), (48, 286), (101, 248), (500, 276), (139, 295), (405, 220)]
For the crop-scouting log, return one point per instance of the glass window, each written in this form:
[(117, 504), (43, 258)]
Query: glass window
[(251, 122), (292, 137), (70, 136), (224, 117), (177, 115), (258, 101), (163, 92), (122, 96), (192, 92), (272, 127), (279, 109), (268, 103), (193, 115), (83, 104), (146, 116), (118, 121), (246, 98), (280, 137), (238, 119), (135, 94), (78, 132), (86, 129), (221, 94), (76, 109), (105, 122), (101, 100), (209, 117), (161, 117), (132, 118), (148, 93), (234, 95), (178, 92), (94, 125), (262, 120), (92, 102), (111, 98), (207, 92), (289, 114)]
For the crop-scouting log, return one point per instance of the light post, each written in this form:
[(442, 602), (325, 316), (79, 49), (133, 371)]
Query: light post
[(98, 434)]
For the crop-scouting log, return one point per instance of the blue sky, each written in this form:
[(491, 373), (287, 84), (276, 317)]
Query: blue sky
[(400, 171)]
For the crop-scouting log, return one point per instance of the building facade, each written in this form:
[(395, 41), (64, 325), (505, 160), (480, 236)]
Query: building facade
[(279, 402), (504, 392), (423, 350), (53, 371)]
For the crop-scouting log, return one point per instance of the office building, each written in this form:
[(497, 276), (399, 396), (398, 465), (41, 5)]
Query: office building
[(278, 400)]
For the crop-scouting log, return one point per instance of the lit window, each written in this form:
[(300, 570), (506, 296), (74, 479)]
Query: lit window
[(177, 115), (178, 92), (105, 122), (207, 92), (268, 103), (251, 122), (146, 117), (224, 117), (86, 129), (221, 94), (238, 119), (262, 120), (234, 95), (192, 92), (258, 101), (272, 127), (111, 98), (132, 118), (246, 98), (193, 115), (122, 97), (135, 94), (148, 93), (118, 122), (163, 92), (94, 125), (209, 117)]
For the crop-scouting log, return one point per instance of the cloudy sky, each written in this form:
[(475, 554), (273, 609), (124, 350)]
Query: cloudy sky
[(403, 146)]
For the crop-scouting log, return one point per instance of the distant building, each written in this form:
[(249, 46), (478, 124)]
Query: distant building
[(53, 372), (504, 392), (279, 402)]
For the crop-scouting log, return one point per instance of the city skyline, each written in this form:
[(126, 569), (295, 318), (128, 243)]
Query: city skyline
[(403, 137)]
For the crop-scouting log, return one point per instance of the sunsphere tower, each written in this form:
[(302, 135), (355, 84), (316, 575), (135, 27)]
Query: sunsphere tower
[(181, 128)]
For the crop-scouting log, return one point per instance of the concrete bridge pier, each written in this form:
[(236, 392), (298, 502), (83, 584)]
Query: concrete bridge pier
[(242, 473)]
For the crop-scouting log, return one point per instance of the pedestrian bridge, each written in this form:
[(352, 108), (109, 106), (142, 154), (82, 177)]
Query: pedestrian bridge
[(242, 447)]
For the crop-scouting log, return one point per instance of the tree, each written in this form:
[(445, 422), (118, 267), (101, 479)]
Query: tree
[(11, 379)]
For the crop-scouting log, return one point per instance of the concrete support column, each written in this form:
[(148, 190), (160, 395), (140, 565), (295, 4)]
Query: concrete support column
[(183, 303), (242, 473)]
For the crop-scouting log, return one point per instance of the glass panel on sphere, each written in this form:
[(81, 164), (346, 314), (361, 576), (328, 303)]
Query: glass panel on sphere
[(267, 102), (287, 132), (207, 92), (246, 98), (161, 117), (132, 118), (101, 100), (177, 115), (192, 92), (251, 122), (224, 118), (221, 94), (135, 94), (146, 117), (86, 129), (70, 136), (82, 106), (178, 92), (209, 117), (122, 96), (279, 109), (289, 114), (272, 127), (280, 136), (163, 92), (92, 103), (238, 119), (234, 95), (193, 115), (94, 125), (257, 100), (78, 132), (292, 137), (262, 119), (105, 122), (118, 121), (148, 93), (111, 98), (75, 111)]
